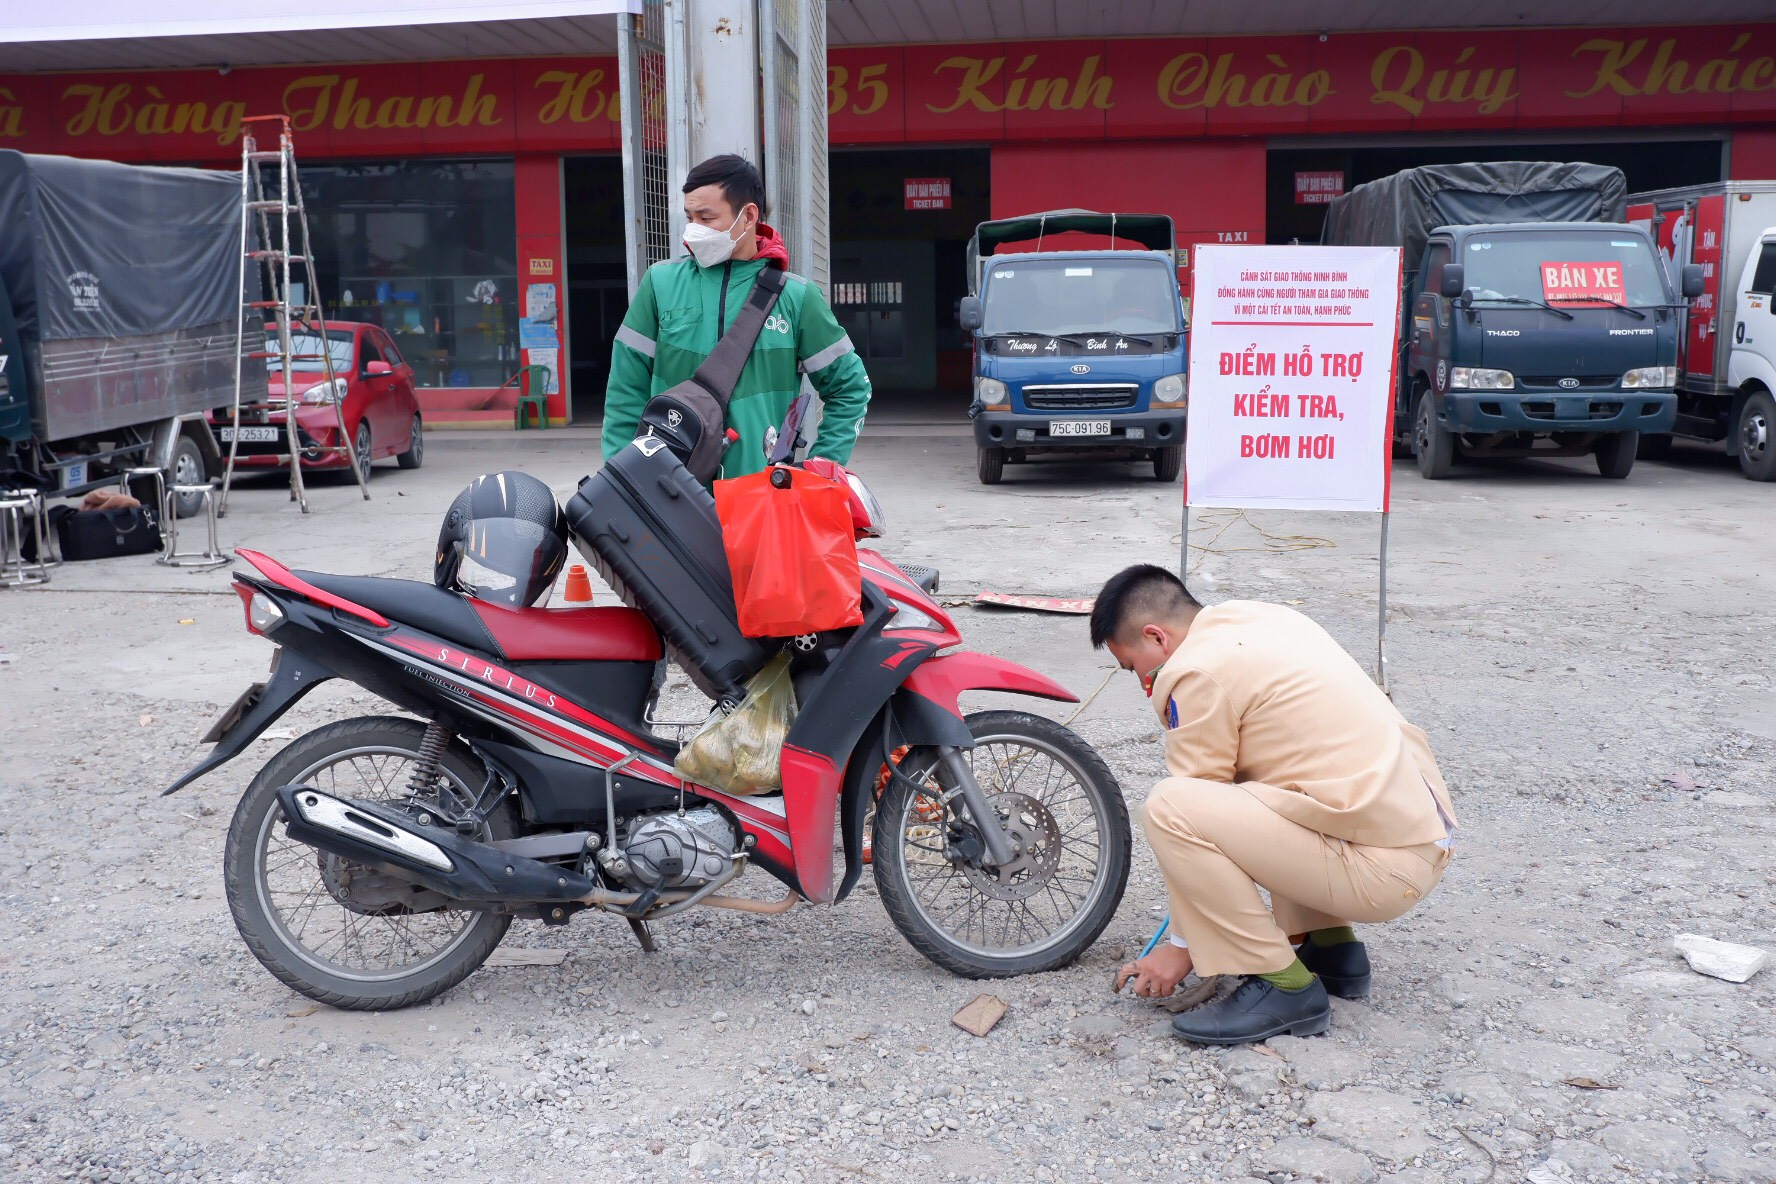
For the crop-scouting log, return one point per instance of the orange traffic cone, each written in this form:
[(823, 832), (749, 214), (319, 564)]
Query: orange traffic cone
[(579, 587)]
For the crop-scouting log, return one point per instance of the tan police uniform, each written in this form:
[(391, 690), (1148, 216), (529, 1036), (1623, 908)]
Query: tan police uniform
[(1291, 770)]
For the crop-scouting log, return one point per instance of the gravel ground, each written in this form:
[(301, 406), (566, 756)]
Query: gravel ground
[(1590, 658)]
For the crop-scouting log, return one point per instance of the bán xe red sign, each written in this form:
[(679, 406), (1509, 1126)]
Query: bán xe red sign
[(1582, 283)]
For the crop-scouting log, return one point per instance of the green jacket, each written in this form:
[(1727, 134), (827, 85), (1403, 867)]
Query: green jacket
[(671, 327)]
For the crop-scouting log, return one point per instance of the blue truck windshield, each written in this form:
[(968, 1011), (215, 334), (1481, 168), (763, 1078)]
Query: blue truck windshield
[(1068, 296), (1565, 268)]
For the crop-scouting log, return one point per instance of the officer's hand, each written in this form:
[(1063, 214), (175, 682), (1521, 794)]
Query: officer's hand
[(1158, 974)]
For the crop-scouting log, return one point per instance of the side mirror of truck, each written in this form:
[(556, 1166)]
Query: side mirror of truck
[(1455, 281), (969, 313), (1692, 280)]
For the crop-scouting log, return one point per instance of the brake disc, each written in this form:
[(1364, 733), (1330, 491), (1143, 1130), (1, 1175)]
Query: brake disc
[(1036, 842)]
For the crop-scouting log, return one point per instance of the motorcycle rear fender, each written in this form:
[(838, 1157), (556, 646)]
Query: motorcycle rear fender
[(296, 675)]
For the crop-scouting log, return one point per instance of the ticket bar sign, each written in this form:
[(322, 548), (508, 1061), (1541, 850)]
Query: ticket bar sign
[(928, 193), (1583, 283), (1318, 189), (1292, 352)]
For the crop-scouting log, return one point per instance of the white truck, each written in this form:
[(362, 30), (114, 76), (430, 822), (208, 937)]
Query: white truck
[(1726, 384)]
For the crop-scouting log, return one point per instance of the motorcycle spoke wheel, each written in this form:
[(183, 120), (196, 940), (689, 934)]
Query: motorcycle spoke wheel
[(344, 933), (306, 893), (1067, 818)]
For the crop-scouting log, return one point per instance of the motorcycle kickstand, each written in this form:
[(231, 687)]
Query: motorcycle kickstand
[(640, 928)]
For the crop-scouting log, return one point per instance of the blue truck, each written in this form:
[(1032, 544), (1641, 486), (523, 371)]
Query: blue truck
[(1076, 352), (1534, 321)]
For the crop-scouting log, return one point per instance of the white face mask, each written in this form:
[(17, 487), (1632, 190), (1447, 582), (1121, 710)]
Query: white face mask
[(709, 245)]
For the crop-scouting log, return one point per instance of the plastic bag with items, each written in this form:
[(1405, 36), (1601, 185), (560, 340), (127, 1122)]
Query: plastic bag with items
[(740, 753)]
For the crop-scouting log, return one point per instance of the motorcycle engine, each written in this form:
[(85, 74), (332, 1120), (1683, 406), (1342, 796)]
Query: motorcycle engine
[(680, 851)]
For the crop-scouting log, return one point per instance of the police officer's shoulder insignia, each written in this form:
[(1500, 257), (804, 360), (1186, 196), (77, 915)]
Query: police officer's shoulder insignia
[(1171, 713)]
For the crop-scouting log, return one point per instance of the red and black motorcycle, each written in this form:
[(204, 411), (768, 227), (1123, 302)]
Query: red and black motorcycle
[(375, 862)]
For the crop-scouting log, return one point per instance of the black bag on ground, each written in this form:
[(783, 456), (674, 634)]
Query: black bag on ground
[(650, 529), (692, 417), (99, 534)]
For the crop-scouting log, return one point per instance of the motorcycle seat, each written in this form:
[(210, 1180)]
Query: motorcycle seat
[(523, 635), (611, 634)]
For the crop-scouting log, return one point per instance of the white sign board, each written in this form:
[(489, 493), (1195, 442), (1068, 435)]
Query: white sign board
[(1292, 354), (87, 20)]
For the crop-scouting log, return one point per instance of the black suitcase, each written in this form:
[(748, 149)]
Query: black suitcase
[(651, 530)]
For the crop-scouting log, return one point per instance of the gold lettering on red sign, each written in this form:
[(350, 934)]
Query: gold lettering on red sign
[(1621, 70), (1190, 82), (1398, 70), (577, 98), (1023, 91), (109, 111), (12, 116), (311, 102)]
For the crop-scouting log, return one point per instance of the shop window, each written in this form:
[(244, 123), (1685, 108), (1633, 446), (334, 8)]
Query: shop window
[(427, 250), (874, 315)]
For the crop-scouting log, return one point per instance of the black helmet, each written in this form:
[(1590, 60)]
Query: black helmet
[(503, 541)]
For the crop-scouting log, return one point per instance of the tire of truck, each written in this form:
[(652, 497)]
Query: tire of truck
[(1754, 437), (1168, 462), (1431, 442), (186, 468), (990, 463), (1615, 454), (1654, 446)]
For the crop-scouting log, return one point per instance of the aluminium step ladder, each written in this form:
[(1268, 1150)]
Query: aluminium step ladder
[(297, 322)]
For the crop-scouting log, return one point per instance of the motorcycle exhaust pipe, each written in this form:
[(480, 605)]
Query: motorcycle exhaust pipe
[(380, 836)]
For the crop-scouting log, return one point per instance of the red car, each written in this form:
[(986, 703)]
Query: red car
[(372, 381)]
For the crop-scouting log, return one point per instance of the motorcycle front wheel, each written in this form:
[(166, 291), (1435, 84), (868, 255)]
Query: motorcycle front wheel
[(1068, 819), (339, 932)]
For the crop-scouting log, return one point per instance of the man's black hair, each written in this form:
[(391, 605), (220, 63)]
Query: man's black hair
[(739, 180), (1143, 592)]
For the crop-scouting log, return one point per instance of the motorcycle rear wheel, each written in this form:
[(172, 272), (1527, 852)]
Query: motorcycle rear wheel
[(374, 959), (1061, 795)]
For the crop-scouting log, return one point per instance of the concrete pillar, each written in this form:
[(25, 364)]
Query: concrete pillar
[(722, 89)]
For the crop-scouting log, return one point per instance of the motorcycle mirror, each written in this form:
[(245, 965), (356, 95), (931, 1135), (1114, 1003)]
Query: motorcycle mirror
[(782, 451)]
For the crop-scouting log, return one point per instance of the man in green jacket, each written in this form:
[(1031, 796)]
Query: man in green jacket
[(684, 305)]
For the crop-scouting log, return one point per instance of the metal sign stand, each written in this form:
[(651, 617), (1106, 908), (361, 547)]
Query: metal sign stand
[(1381, 621), (276, 256)]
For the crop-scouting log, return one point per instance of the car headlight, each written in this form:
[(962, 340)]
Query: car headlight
[(325, 393), (1648, 377), (1473, 378), (872, 509), (991, 392), (1170, 391)]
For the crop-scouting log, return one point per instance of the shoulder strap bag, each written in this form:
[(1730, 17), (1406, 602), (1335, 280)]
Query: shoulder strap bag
[(692, 417)]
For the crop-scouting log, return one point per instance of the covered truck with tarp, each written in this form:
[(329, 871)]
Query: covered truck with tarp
[(119, 307), (1078, 342), (1534, 320)]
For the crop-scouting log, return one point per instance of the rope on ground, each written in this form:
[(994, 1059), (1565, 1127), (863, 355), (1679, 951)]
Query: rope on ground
[(1087, 702), (1223, 521)]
